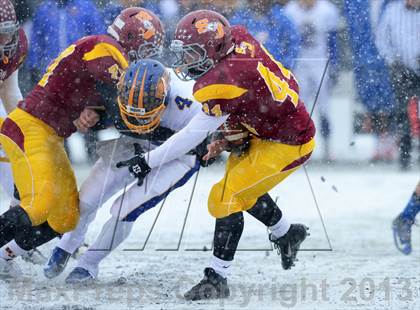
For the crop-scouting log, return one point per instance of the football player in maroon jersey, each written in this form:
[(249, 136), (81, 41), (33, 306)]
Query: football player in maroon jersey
[(13, 50), (33, 134), (238, 80)]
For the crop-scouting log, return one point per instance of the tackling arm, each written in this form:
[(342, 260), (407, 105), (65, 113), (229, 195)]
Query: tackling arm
[(186, 139)]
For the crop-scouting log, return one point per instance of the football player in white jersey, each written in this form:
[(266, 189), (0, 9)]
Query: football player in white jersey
[(151, 107), (317, 21)]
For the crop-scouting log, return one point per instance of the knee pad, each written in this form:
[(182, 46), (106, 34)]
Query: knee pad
[(227, 234), (266, 211)]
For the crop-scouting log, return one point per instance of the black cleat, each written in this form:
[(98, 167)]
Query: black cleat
[(213, 286), (288, 245)]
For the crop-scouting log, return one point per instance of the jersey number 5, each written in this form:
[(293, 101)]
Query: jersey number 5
[(67, 52)]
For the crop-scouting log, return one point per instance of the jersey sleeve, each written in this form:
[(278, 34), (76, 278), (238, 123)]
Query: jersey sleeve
[(219, 99), (105, 62), (185, 140)]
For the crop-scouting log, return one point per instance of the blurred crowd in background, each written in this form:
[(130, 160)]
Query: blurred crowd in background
[(377, 40)]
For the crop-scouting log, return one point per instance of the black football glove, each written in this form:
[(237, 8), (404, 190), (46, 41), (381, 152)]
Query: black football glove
[(137, 165)]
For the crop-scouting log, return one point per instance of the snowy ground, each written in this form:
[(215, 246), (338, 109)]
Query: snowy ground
[(361, 269)]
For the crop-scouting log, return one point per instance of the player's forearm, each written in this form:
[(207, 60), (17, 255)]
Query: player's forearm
[(185, 140), (10, 93)]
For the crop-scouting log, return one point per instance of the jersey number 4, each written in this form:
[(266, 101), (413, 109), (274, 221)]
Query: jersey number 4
[(183, 102), (278, 86)]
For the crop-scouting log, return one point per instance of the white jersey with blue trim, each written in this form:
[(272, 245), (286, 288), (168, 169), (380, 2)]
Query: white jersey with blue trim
[(181, 106)]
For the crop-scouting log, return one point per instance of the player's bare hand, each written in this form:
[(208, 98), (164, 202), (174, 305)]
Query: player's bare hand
[(87, 119), (215, 149)]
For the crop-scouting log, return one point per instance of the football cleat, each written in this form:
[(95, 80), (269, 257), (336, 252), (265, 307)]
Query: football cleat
[(288, 245), (57, 263), (34, 257), (213, 286), (402, 234), (9, 270), (79, 275)]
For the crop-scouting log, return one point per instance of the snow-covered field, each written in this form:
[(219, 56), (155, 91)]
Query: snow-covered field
[(356, 268)]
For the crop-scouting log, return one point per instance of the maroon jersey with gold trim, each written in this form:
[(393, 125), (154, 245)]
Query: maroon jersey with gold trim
[(257, 91), (70, 83), (13, 64)]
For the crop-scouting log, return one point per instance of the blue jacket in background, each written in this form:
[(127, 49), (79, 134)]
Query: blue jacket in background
[(82, 19), (283, 38), (371, 73), (110, 12)]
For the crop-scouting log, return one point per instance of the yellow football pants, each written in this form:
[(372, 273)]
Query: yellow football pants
[(41, 171), (250, 176)]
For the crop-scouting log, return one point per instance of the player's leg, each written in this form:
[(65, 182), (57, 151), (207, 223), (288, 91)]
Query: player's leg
[(42, 173), (402, 224), (285, 236), (127, 208), (402, 81), (102, 183), (227, 233), (113, 233), (11, 222), (41, 170), (244, 188), (26, 240)]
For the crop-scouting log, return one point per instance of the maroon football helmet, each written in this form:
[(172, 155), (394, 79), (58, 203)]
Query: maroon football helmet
[(9, 30), (202, 39), (139, 31)]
